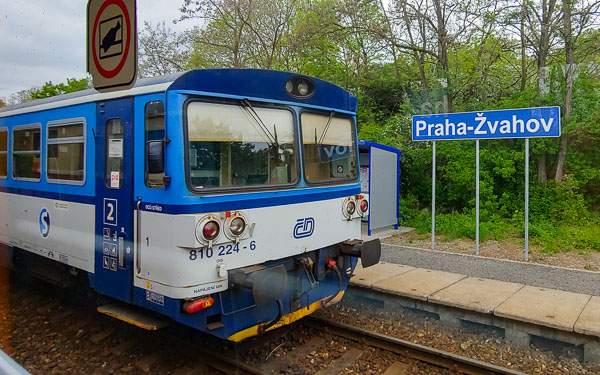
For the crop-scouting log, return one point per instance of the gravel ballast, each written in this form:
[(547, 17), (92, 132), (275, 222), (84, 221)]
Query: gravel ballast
[(570, 280)]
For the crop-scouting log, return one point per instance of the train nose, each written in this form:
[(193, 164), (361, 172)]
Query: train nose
[(368, 251)]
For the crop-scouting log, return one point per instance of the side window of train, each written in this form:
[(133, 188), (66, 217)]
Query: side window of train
[(114, 154), (26, 154), (3, 153), (66, 153), (154, 130)]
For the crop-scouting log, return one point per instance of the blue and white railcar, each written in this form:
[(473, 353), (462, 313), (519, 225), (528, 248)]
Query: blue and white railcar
[(225, 199)]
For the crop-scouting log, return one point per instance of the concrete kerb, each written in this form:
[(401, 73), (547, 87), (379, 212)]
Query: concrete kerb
[(520, 333)]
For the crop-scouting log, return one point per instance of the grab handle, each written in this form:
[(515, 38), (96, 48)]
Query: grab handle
[(138, 237)]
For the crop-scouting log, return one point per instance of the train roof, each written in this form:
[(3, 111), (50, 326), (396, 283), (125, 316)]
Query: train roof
[(255, 83)]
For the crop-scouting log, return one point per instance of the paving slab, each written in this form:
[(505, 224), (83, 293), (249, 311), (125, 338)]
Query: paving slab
[(419, 283), (471, 293), (366, 277), (547, 307), (589, 320)]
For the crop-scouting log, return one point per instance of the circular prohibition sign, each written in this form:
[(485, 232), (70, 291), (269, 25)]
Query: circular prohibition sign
[(111, 73)]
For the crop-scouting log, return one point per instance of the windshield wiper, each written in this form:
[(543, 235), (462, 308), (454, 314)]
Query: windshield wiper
[(325, 129), (270, 138)]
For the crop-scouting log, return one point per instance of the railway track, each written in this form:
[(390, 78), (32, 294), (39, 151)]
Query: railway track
[(426, 354), (56, 335), (404, 349)]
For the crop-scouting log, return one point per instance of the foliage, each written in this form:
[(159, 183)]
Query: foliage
[(583, 237), (49, 89)]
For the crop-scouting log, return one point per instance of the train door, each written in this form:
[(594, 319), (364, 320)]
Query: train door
[(114, 198)]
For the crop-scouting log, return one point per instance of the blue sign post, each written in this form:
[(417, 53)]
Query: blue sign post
[(510, 123)]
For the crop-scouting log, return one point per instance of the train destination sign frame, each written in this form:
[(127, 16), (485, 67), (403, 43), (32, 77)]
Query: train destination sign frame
[(112, 44), (497, 124)]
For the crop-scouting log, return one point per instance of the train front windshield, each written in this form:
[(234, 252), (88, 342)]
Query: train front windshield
[(240, 145), (328, 147)]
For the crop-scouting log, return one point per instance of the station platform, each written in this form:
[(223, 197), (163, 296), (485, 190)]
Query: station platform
[(522, 313), (382, 233)]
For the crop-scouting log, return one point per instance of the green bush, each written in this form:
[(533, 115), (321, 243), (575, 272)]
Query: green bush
[(457, 225), (552, 239), (408, 208), (421, 221), (559, 203)]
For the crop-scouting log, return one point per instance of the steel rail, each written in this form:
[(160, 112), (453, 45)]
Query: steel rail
[(422, 353), (229, 365)]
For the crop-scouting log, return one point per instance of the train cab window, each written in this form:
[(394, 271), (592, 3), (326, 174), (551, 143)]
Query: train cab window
[(26, 153), (114, 153), (3, 153), (154, 129), (66, 155), (328, 147), (240, 146)]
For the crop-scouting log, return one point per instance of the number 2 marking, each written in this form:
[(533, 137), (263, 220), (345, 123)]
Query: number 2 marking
[(110, 211)]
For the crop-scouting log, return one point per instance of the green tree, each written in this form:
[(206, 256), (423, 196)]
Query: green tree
[(49, 89)]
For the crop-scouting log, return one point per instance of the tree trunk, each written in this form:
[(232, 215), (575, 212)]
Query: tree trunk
[(544, 44), (570, 59), (542, 174), (442, 37), (523, 51), (543, 47), (393, 48)]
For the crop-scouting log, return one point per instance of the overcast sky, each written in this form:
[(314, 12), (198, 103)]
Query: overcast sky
[(44, 40)]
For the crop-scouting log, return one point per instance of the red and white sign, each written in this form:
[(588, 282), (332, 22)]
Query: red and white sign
[(112, 44), (114, 180)]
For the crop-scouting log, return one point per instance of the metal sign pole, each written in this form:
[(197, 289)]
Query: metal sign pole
[(433, 199), (477, 197), (526, 199)]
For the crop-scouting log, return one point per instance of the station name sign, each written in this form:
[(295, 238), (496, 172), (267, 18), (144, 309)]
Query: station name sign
[(510, 123)]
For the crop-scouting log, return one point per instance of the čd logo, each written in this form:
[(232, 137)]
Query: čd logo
[(304, 227)]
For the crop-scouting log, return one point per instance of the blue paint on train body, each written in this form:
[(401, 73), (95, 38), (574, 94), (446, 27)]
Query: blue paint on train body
[(44, 188), (235, 306)]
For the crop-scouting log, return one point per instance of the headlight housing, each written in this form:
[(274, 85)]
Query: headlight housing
[(300, 87), (236, 225), (349, 208), (208, 229)]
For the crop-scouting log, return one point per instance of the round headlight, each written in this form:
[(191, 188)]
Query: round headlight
[(364, 206), (289, 87), (210, 231), (350, 208), (237, 226), (302, 88)]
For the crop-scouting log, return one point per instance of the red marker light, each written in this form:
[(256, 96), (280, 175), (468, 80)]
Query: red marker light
[(364, 206), (191, 307), (210, 230)]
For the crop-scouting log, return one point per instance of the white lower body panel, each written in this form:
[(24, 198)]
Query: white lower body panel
[(58, 230)]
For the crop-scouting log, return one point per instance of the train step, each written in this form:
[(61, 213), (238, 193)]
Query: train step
[(133, 316)]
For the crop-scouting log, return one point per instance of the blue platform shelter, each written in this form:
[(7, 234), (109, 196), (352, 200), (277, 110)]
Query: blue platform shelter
[(380, 178)]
